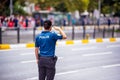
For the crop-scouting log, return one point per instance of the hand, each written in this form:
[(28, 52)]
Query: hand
[(37, 61)]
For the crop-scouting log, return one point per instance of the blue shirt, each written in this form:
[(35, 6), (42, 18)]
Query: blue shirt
[(46, 42)]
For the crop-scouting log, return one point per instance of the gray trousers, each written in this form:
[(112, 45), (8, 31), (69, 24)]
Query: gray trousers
[(46, 68)]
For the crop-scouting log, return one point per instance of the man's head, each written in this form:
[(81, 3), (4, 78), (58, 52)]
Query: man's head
[(47, 24)]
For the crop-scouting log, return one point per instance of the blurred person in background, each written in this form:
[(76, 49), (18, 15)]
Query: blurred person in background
[(109, 23), (32, 22), (37, 22), (15, 22), (26, 22), (45, 50), (41, 22), (10, 23), (5, 22)]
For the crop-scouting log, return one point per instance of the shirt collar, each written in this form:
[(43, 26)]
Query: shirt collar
[(45, 31)]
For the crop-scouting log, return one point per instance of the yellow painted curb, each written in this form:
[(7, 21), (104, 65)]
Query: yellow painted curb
[(85, 41), (69, 42), (4, 46), (99, 40), (30, 45), (112, 39)]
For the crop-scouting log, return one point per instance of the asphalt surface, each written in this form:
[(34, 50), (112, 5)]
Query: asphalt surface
[(94, 61), (26, 36)]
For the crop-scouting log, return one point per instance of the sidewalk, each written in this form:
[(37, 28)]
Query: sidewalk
[(59, 43)]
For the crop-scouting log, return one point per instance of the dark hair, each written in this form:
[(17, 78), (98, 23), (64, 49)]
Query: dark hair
[(47, 24)]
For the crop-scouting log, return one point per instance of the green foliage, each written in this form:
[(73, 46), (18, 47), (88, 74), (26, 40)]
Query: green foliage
[(106, 9), (84, 4), (64, 5), (61, 7), (73, 5), (107, 6), (93, 4), (17, 7)]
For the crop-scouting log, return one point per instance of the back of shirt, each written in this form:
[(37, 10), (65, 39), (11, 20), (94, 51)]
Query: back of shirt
[(46, 42)]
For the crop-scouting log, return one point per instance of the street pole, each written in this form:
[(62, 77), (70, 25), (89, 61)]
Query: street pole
[(84, 32), (113, 32), (0, 35), (73, 33), (104, 32), (34, 29), (99, 8), (18, 35), (11, 7), (94, 32)]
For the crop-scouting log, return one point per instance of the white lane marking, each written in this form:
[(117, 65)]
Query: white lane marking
[(23, 54), (75, 71), (85, 48), (62, 73), (110, 66), (57, 74), (5, 50), (97, 54), (33, 78), (32, 61), (113, 46), (68, 72), (16, 49)]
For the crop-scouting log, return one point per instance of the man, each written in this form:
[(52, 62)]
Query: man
[(26, 22), (45, 50)]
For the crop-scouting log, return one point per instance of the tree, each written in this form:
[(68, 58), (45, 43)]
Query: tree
[(73, 5), (109, 6), (93, 4), (17, 6), (64, 5)]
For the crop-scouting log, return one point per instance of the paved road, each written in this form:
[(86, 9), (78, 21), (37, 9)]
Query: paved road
[(76, 62), (26, 36)]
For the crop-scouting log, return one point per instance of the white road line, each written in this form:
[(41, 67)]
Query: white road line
[(68, 72), (113, 46), (33, 78), (75, 71), (5, 50), (61, 73), (111, 66), (32, 61), (85, 48), (23, 54), (97, 54), (57, 74), (16, 49)]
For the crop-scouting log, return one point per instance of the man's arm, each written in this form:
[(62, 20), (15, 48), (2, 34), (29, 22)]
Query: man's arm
[(36, 54), (61, 32)]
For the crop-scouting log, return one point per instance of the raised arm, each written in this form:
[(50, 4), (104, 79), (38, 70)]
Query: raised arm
[(61, 32)]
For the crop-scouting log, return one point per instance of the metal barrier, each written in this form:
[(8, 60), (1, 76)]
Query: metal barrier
[(19, 35)]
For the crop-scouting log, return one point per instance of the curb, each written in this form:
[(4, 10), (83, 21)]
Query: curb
[(67, 42)]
